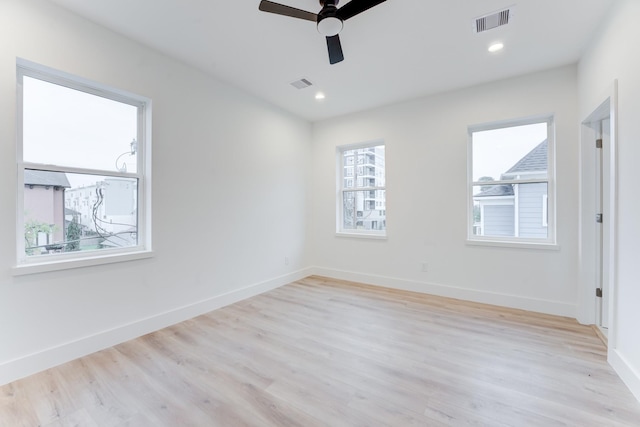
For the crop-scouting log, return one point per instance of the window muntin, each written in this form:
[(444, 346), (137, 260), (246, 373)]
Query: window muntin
[(511, 181), (82, 169), (361, 190)]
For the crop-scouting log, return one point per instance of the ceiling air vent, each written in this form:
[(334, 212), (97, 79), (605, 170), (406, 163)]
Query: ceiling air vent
[(301, 84), (493, 20)]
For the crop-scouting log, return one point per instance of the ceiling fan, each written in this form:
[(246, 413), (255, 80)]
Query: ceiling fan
[(329, 20)]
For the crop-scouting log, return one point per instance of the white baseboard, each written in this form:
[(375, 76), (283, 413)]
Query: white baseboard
[(629, 375), (513, 301), (32, 363)]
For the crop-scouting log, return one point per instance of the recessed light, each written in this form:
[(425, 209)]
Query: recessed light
[(496, 47), (319, 96)]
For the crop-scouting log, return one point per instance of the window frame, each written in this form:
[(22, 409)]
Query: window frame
[(514, 241), (58, 261), (341, 189)]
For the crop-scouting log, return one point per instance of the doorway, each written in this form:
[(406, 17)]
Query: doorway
[(598, 217)]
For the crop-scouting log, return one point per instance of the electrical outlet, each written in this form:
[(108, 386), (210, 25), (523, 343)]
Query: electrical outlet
[(424, 267)]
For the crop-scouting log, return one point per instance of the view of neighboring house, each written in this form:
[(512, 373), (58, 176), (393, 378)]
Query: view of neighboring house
[(106, 210), (518, 209), (44, 215)]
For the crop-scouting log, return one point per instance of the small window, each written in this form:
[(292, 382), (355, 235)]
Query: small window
[(511, 182), (82, 163), (362, 197)]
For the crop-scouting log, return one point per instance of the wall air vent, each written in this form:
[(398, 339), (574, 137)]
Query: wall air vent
[(493, 20), (301, 84)]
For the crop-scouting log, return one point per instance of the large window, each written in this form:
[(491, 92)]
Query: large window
[(83, 176), (361, 190), (511, 181)]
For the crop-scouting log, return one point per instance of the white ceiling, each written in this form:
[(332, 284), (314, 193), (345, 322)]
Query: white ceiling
[(400, 49)]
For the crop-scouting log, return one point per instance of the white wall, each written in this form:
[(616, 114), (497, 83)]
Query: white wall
[(230, 175), (613, 55), (426, 149)]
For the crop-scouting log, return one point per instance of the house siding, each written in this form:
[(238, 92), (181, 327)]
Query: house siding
[(498, 220), (530, 206), (46, 205)]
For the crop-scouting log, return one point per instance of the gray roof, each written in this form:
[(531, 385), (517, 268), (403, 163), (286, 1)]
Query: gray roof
[(496, 190), (46, 178), (535, 160), (68, 211)]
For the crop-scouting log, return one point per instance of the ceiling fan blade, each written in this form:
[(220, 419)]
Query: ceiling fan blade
[(355, 7), (335, 49), (281, 9)]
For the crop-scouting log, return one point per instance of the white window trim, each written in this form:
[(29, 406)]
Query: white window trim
[(54, 262), (516, 242), (340, 231)]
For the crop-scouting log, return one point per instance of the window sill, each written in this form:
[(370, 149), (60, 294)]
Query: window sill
[(517, 245), (57, 265), (361, 235)]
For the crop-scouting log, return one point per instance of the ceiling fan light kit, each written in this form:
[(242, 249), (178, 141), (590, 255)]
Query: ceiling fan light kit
[(329, 20), (330, 26)]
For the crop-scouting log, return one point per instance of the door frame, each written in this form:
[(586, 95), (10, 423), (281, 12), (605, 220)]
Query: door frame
[(587, 300)]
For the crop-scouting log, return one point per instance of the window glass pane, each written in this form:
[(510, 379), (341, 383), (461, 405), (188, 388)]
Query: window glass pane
[(515, 210), (364, 210), (67, 127), (518, 152), (365, 165), (66, 212)]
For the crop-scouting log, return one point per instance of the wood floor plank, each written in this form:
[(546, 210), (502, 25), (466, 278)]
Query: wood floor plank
[(324, 352)]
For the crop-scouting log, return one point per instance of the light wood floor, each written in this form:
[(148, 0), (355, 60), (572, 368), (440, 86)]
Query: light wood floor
[(320, 352)]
